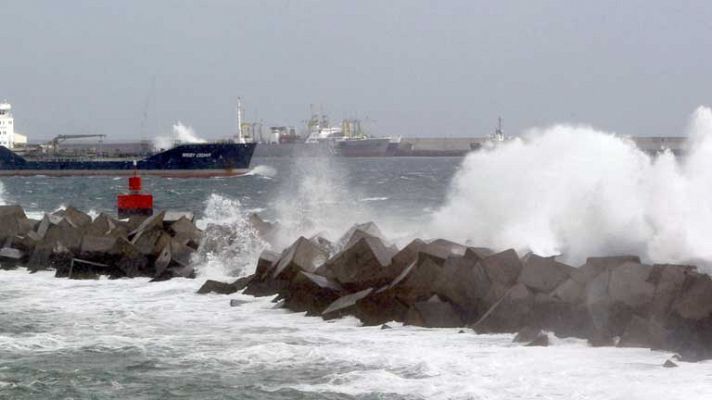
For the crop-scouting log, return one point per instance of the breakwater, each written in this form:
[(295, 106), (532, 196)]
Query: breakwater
[(78, 246), (610, 301), (450, 147)]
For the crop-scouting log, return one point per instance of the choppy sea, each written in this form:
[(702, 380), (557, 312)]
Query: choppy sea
[(131, 339)]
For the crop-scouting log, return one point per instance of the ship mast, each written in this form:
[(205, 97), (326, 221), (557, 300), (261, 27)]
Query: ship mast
[(239, 120), (498, 134)]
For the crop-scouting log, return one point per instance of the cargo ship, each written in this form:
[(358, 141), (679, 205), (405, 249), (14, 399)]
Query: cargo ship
[(56, 158), (183, 160)]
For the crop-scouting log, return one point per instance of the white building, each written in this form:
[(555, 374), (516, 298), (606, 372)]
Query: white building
[(7, 129), (19, 140)]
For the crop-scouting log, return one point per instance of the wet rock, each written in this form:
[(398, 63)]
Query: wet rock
[(695, 301), (265, 230), (97, 246), (84, 269), (542, 340), (596, 265), (99, 226), (43, 227), (508, 314), (163, 260), (237, 303), (443, 249), (527, 334), (211, 286), (543, 274), (503, 268), (408, 254), (172, 216), (153, 222), (566, 319), (601, 339), (417, 281), (669, 364), (342, 305), (181, 254), (268, 259), (131, 262), (323, 243), (669, 281), (385, 326), (185, 232), (570, 292), (145, 240), (358, 232), (12, 212), (361, 265), (379, 307), (433, 313), (628, 284), (65, 234), (642, 332), (10, 257), (302, 255), (176, 271), (9, 228), (600, 307), (76, 217), (263, 284), (216, 238), (311, 293), (476, 254), (457, 283), (242, 283)]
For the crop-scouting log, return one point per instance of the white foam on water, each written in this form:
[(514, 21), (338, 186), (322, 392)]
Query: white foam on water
[(179, 334), (2, 194), (580, 192), (180, 133), (264, 171), (374, 199), (239, 247)]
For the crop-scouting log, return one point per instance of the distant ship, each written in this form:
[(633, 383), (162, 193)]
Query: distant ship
[(183, 160), (227, 158), (348, 139)]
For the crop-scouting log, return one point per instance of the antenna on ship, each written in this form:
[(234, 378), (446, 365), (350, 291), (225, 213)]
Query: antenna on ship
[(498, 134), (239, 120)]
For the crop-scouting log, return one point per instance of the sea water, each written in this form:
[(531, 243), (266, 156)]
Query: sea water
[(129, 338)]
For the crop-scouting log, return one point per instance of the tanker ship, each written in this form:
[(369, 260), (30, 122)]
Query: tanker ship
[(226, 158), (183, 160)]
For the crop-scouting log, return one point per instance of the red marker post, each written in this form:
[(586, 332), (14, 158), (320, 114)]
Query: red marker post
[(134, 203)]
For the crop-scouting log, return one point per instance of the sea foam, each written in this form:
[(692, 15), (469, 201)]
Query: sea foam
[(575, 191)]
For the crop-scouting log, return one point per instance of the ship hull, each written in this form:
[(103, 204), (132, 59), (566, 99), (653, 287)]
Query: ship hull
[(189, 160), (178, 173), (370, 147), (296, 150)]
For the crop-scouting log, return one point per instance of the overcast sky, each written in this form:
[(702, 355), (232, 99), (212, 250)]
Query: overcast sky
[(130, 69)]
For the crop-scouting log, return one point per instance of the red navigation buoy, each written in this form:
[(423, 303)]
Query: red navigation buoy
[(134, 203)]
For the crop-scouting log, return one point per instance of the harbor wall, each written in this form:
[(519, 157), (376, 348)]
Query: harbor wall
[(450, 147)]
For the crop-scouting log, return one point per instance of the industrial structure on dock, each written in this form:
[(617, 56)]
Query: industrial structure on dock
[(319, 138)]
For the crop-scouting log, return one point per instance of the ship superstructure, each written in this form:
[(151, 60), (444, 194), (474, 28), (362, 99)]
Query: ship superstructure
[(226, 158), (7, 125)]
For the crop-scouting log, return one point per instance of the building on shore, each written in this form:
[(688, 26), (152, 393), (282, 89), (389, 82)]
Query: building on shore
[(7, 129)]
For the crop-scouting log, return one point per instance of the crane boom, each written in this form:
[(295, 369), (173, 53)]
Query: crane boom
[(61, 138)]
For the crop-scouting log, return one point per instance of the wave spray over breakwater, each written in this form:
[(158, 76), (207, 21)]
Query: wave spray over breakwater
[(180, 133), (575, 191)]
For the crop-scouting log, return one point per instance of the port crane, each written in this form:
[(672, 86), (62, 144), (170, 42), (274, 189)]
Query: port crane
[(54, 143)]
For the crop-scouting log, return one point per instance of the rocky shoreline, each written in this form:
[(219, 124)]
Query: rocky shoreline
[(610, 301), (78, 246)]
